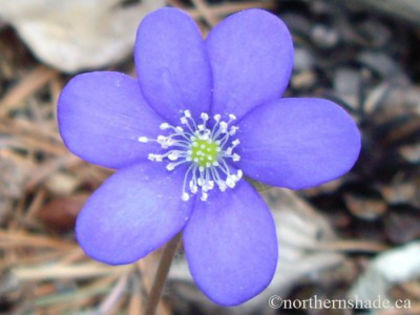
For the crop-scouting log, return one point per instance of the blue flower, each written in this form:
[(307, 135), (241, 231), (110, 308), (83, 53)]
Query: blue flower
[(199, 116)]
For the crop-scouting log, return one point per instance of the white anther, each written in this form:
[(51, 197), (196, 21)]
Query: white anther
[(210, 184), (204, 196), (187, 113), (216, 117), (235, 142), (185, 196), (193, 188), (236, 157), (173, 156), (155, 157), (232, 117), (223, 126), (164, 126), (239, 174), (233, 130), (222, 185), (161, 139), (230, 181), (170, 166), (183, 120), (143, 139), (204, 116)]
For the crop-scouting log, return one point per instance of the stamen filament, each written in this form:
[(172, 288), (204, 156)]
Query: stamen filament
[(205, 147)]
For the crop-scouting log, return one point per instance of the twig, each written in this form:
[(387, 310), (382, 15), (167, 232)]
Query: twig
[(36, 204), (136, 306), (147, 268), (33, 81), (161, 274), (26, 239), (202, 7), (353, 246), (48, 168), (115, 294), (80, 271)]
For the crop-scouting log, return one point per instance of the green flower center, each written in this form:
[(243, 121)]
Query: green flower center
[(205, 149), (204, 152)]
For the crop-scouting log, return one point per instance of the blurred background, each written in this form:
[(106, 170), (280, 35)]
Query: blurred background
[(355, 236)]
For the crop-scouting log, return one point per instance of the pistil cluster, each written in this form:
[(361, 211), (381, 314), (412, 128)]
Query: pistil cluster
[(205, 147)]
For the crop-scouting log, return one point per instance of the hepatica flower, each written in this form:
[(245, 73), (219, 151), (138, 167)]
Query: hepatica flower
[(200, 116)]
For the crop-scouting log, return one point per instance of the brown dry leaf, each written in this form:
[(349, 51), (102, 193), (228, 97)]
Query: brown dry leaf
[(60, 213), (77, 34)]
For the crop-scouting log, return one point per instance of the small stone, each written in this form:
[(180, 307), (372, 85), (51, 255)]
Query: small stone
[(303, 59), (324, 36), (62, 183), (347, 82), (365, 208)]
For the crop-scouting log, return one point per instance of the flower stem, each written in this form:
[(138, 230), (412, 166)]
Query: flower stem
[(161, 275)]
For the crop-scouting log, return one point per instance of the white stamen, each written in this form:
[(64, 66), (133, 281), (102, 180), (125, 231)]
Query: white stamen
[(173, 156), (205, 148), (185, 196), (204, 196), (239, 174), (187, 113), (204, 116), (236, 157), (164, 126)]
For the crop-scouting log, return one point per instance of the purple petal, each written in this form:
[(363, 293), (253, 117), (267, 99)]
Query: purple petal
[(133, 213), (231, 246), (251, 54), (298, 142), (101, 115), (172, 65)]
